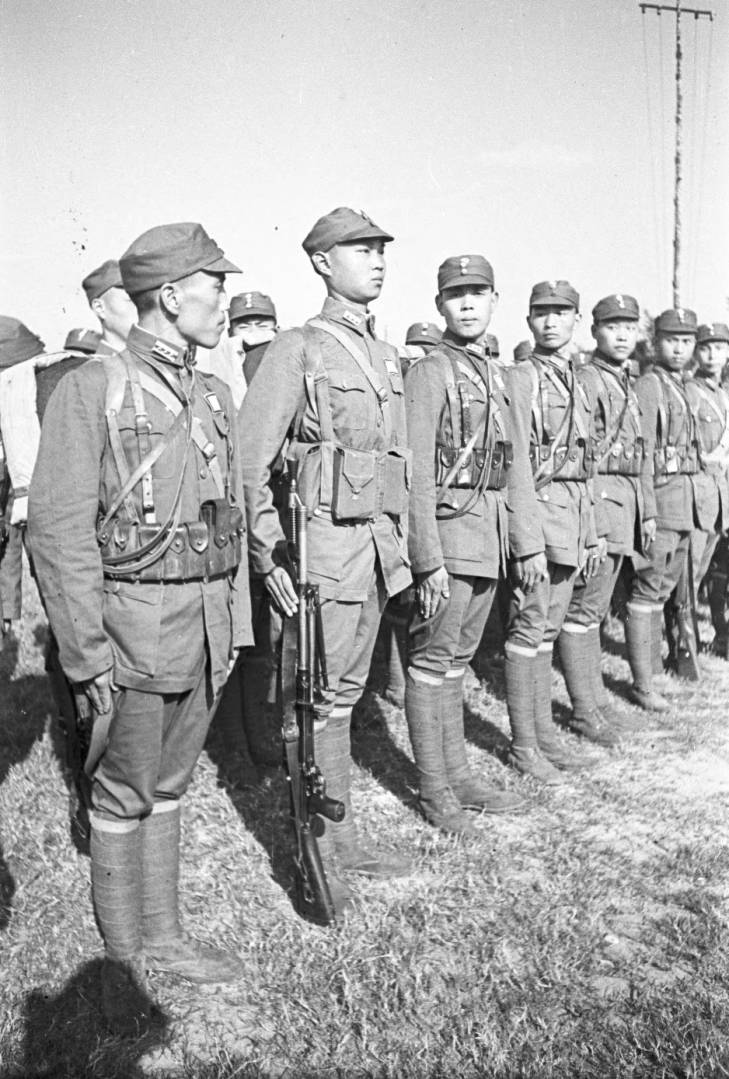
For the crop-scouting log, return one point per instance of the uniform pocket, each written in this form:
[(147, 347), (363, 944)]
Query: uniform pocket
[(131, 614), (348, 398)]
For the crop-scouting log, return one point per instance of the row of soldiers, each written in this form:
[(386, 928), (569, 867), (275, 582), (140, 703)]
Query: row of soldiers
[(155, 518)]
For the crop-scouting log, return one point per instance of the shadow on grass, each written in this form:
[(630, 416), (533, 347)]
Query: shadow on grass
[(65, 1035), (484, 734), (374, 750)]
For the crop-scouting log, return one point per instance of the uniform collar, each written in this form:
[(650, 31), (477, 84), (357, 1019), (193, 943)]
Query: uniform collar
[(618, 370), (475, 351), (710, 383), (354, 318), (105, 349), (150, 347), (558, 357)]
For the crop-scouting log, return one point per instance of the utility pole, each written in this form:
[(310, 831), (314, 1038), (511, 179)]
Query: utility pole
[(678, 10)]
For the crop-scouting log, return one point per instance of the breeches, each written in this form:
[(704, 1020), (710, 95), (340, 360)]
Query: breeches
[(450, 638), (536, 617), (154, 742), (653, 583), (591, 599), (350, 632)]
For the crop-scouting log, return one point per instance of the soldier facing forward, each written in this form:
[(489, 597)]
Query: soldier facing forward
[(136, 534), (335, 391), (468, 428)]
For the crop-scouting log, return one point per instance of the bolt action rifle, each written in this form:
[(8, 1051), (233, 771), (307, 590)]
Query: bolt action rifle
[(303, 678)]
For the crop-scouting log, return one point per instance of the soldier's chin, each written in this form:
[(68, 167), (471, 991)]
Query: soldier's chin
[(208, 340)]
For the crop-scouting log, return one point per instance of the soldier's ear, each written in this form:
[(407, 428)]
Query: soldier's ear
[(439, 304), (495, 300), (322, 265), (593, 331), (169, 298), (99, 308), (578, 318)]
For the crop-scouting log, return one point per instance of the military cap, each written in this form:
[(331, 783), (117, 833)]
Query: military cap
[(100, 280), (554, 294), (17, 342), (248, 304), (342, 226), (169, 253), (676, 320), (423, 333), (82, 340), (618, 305), (522, 351), (715, 331), (465, 270)]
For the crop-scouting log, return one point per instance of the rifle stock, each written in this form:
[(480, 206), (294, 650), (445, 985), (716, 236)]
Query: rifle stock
[(303, 667)]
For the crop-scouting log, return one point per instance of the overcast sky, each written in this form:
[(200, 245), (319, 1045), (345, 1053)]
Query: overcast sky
[(519, 130)]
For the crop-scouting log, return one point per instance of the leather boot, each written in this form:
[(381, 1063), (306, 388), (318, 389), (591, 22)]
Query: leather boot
[(472, 791), (167, 948), (334, 757), (576, 652), (116, 887), (424, 714), (599, 691), (640, 627), (657, 621), (520, 671), (555, 751), (717, 605), (395, 648)]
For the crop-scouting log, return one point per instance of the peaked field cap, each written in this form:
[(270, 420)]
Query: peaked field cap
[(82, 340), (465, 270), (714, 331), (169, 253), (17, 342), (248, 304), (342, 226), (100, 280), (522, 351), (676, 320), (554, 294), (617, 305), (423, 333)]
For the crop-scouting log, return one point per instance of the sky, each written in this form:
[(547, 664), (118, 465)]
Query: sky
[(536, 132)]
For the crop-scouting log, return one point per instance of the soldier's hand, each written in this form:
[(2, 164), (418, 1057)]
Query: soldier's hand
[(98, 691), (431, 586), (281, 590), (649, 531), (594, 557), (529, 571)]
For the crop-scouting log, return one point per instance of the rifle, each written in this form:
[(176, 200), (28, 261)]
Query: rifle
[(682, 625), (303, 651)]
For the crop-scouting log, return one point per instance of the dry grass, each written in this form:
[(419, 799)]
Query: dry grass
[(586, 938)]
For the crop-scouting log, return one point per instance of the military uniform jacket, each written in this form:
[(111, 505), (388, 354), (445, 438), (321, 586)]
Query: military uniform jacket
[(156, 635), (565, 505), (710, 408), (663, 401), (341, 555), (500, 521), (623, 500)]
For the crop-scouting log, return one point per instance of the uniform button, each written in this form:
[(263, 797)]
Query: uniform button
[(203, 473)]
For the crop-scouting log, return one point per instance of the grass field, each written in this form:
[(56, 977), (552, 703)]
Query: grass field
[(587, 937)]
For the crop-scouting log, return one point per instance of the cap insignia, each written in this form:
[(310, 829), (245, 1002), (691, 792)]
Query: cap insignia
[(679, 313), (367, 218), (350, 316), (249, 299), (552, 287), (464, 264), (424, 326), (620, 301)]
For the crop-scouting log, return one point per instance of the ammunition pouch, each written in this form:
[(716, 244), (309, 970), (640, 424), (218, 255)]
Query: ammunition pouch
[(494, 460), (200, 549), (571, 462), (355, 485), (621, 460), (674, 461)]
